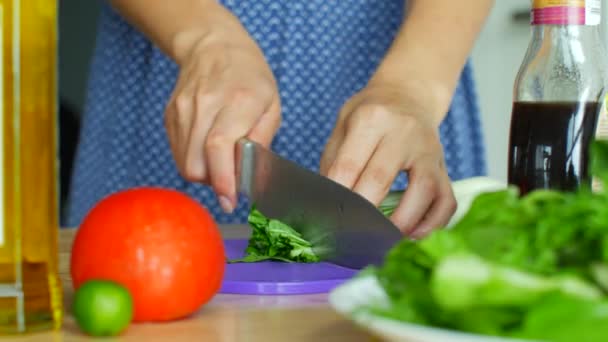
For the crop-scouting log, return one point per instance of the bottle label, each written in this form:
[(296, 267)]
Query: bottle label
[(566, 12)]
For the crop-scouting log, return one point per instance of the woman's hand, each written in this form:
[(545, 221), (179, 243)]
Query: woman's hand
[(225, 91), (384, 129), (392, 124)]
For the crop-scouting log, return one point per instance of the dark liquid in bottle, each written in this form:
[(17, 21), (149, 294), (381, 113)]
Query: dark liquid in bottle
[(549, 142)]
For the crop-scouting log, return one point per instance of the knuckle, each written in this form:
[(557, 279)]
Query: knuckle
[(192, 165), (369, 115), (267, 88), (204, 99), (427, 184), (274, 110), (404, 224), (216, 139), (241, 95), (452, 204), (410, 123), (276, 120), (272, 115), (379, 176), (192, 174), (347, 166), (182, 103), (375, 111)]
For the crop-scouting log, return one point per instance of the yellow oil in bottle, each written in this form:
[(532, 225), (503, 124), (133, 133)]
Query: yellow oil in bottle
[(30, 290)]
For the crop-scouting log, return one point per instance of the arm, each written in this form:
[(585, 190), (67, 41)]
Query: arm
[(176, 26), (432, 47)]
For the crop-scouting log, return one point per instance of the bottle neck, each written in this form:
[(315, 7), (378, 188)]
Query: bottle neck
[(579, 37), (563, 63)]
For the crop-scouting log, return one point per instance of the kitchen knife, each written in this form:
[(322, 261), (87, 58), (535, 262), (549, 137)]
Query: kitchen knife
[(344, 227)]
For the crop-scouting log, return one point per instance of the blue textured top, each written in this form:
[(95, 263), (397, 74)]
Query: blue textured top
[(321, 52)]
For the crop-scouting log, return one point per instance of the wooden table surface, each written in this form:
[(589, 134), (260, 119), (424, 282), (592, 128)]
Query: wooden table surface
[(225, 318)]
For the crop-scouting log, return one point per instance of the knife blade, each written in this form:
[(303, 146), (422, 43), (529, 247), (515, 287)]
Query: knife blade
[(344, 227)]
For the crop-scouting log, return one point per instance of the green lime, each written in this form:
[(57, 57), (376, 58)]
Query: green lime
[(102, 308)]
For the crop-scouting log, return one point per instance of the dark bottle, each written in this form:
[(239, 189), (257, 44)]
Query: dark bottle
[(558, 96)]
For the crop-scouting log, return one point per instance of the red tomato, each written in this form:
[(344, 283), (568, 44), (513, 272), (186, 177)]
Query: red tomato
[(159, 243)]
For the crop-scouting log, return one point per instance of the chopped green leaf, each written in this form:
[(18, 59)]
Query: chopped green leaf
[(273, 240), (390, 203)]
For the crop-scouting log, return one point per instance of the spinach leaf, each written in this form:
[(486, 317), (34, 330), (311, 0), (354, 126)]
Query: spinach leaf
[(273, 240)]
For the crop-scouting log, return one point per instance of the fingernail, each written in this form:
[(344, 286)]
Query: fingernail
[(411, 235), (226, 204)]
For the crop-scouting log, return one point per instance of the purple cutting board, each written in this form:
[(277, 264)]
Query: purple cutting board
[(279, 278)]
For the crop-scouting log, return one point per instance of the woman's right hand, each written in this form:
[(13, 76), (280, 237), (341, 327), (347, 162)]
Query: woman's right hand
[(225, 91)]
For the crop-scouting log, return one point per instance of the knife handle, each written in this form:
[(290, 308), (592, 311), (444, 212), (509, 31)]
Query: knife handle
[(245, 165)]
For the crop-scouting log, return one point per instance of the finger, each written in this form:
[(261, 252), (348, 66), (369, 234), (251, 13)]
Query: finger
[(353, 154), (172, 132), (183, 105), (352, 157), (416, 201), (379, 173), (178, 115), (331, 150), (333, 143), (267, 126), (440, 213), (207, 107), (335, 140), (233, 122)]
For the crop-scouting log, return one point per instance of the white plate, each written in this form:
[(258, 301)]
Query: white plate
[(465, 191), (361, 292)]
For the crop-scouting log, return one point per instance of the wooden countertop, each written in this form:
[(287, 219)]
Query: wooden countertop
[(225, 318)]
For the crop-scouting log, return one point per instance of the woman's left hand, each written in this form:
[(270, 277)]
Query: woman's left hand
[(382, 130)]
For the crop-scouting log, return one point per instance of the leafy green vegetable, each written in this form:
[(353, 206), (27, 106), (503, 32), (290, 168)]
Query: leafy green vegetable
[(565, 319), (599, 160), (599, 272), (465, 281), (533, 266), (274, 240)]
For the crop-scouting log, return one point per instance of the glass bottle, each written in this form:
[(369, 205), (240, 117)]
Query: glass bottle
[(30, 290), (558, 94)]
